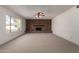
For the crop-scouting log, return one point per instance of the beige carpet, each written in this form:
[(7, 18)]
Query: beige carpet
[(39, 42)]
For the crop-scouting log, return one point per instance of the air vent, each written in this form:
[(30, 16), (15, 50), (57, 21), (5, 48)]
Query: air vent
[(77, 6)]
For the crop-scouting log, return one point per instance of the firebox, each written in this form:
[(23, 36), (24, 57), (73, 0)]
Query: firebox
[(38, 29)]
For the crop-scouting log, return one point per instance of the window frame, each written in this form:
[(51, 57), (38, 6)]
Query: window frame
[(10, 28)]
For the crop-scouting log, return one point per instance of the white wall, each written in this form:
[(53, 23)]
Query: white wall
[(4, 36), (66, 25)]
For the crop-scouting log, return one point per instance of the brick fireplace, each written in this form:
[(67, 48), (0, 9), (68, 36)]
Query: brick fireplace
[(38, 25)]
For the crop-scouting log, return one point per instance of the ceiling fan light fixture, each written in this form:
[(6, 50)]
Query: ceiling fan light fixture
[(40, 14)]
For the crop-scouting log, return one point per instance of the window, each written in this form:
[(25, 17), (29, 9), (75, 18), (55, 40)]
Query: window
[(12, 23), (8, 23)]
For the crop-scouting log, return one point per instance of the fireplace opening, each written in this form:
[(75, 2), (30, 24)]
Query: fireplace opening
[(38, 29)]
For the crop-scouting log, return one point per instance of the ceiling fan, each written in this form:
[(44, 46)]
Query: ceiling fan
[(39, 14)]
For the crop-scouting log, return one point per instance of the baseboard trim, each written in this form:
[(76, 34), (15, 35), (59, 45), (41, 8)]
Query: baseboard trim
[(12, 40), (66, 39)]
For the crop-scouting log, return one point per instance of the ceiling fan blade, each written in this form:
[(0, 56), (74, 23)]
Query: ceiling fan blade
[(77, 6)]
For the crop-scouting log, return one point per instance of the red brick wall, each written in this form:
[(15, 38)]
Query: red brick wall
[(31, 25)]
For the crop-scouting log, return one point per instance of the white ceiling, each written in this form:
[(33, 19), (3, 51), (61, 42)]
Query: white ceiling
[(29, 11)]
